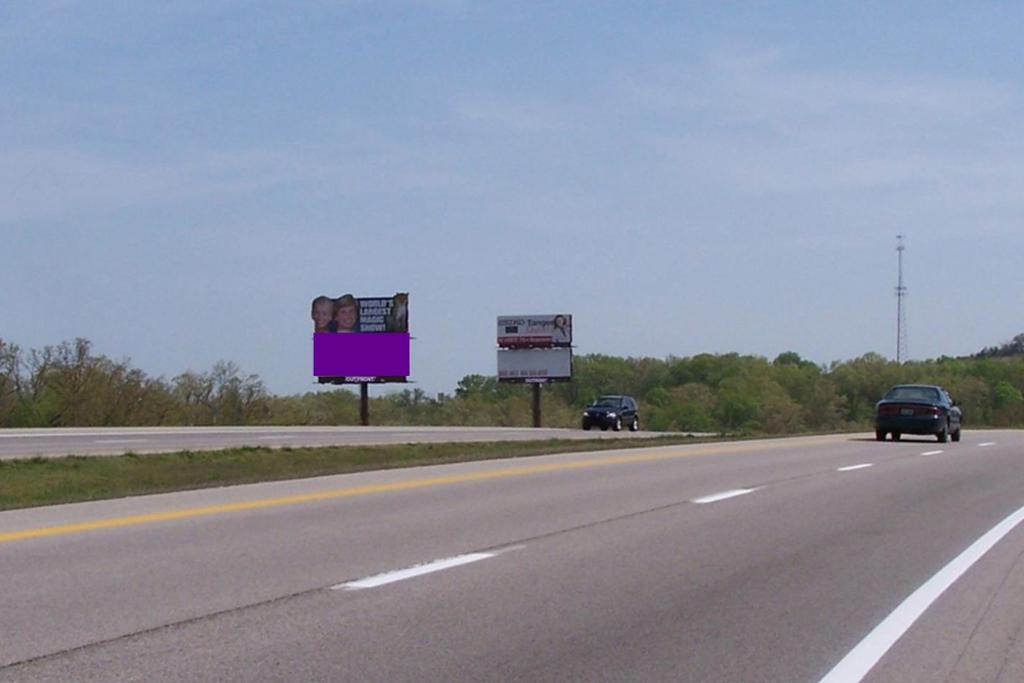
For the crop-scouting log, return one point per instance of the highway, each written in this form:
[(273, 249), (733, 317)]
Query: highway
[(819, 559), (59, 442)]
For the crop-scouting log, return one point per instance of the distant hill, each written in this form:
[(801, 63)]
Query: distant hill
[(1011, 348)]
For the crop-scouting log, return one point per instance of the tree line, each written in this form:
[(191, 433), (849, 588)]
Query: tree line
[(70, 385), (1014, 347)]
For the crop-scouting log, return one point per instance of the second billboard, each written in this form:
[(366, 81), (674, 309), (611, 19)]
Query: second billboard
[(518, 331)]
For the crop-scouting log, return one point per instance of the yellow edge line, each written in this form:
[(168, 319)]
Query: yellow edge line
[(257, 504)]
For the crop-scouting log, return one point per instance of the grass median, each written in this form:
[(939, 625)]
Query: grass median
[(35, 482)]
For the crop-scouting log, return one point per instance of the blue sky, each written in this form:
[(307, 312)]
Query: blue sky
[(180, 179)]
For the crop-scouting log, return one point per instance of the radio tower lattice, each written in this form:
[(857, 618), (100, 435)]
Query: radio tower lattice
[(901, 307)]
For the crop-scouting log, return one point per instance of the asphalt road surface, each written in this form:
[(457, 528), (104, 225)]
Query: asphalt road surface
[(815, 559), (26, 443)]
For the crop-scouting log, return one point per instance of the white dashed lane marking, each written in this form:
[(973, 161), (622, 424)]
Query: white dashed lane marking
[(715, 497), (851, 468), (419, 570)]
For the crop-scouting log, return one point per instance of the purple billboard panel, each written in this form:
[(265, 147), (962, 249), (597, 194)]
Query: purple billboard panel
[(361, 357)]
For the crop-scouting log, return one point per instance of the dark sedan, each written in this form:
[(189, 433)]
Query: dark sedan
[(917, 409)]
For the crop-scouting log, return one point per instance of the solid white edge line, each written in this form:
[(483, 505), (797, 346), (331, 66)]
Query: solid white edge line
[(851, 468), (120, 440), (715, 497), (856, 664), (419, 570), (932, 452)]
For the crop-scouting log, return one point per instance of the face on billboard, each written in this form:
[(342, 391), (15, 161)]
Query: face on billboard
[(561, 331), (323, 312), (397, 319), (345, 314)]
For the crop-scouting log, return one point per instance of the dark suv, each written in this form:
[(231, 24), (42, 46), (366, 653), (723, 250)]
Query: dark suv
[(612, 411)]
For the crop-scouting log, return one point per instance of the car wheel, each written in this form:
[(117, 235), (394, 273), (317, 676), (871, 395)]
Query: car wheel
[(634, 426), (896, 436), (604, 428), (586, 426), (955, 436), (618, 424), (943, 436), (879, 435)]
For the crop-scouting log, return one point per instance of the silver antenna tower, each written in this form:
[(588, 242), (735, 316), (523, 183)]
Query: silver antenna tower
[(901, 313)]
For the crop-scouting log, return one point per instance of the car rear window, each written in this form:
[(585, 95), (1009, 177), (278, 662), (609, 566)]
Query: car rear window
[(912, 394)]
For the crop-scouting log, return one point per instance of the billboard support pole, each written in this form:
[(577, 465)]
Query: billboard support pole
[(536, 406), (364, 404)]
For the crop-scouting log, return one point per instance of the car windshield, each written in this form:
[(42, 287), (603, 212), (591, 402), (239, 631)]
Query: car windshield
[(912, 394), (611, 401)]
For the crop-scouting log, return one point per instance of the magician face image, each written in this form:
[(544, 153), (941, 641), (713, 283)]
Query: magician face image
[(346, 313), (323, 311)]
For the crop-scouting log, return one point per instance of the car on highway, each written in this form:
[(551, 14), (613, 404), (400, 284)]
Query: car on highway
[(917, 409), (612, 411)]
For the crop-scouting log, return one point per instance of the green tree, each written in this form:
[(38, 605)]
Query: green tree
[(777, 412), (10, 383), (735, 411), (1007, 402)]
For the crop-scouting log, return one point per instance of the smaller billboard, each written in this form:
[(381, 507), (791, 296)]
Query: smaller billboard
[(518, 331), (534, 365)]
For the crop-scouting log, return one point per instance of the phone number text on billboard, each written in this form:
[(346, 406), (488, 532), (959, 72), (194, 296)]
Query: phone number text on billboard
[(524, 365)]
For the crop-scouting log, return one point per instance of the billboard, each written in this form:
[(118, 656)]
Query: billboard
[(361, 340), (346, 313), (534, 330), (534, 365)]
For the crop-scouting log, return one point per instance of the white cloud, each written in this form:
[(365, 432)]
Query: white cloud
[(59, 182), (753, 122)]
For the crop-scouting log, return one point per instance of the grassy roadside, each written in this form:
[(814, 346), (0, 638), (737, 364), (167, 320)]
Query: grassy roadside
[(50, 481)]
